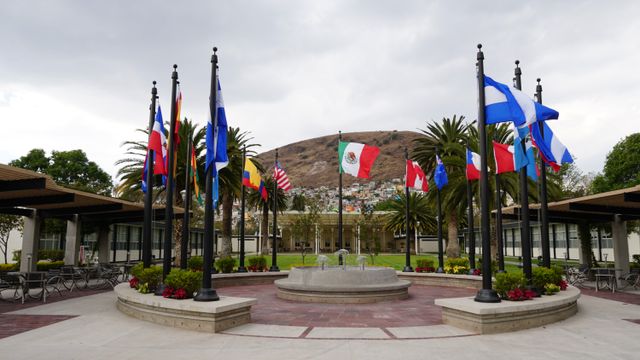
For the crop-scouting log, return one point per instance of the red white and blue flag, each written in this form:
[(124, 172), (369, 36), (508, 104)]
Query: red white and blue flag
[(505, 158), (281, 177), (415, 177), (552, 151), (473, 165), (158, 144)]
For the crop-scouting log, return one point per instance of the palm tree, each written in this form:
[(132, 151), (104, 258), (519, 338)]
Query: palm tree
[(255, 200), (230, 181), (421, 214)]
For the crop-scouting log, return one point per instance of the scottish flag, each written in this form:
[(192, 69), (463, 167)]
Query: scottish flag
[(504, 103), (440, 176), (552, 151), (217, 136)]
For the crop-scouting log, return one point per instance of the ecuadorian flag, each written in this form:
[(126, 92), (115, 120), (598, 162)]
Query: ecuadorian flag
[(251, 178)]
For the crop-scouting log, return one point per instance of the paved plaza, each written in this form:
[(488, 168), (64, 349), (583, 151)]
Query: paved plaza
[(90, 327)]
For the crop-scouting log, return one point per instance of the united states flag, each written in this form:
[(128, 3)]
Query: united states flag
[(281, 178)]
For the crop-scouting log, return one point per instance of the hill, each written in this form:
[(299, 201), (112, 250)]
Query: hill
[(314, 162)]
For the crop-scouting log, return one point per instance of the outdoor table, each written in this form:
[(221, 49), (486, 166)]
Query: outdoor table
[(606, 277)]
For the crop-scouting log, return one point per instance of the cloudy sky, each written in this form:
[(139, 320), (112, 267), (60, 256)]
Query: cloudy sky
[(77, 74)]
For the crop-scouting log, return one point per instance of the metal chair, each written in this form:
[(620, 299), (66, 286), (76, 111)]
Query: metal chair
[(11, 282)]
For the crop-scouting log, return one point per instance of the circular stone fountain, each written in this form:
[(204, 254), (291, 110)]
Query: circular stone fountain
[(342, 285)]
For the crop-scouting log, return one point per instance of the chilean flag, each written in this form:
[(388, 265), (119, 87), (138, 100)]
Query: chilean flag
[(505, 158), (473, 165), (415, 177), (158, 143)]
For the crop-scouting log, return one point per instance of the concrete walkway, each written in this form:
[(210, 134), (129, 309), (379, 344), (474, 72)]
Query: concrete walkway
[(601, 330)]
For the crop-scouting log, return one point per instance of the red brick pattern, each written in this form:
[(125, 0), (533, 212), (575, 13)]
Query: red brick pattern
[(16, 324), (418, 310), (617, 296)]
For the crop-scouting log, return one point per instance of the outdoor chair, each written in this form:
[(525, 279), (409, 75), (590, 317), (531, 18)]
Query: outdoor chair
[(70, 277), (10, 283)]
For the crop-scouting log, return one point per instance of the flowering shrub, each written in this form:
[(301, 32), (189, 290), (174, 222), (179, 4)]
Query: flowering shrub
[(257, 263), (456, 266), (425, 269), (180, 294), (133, 282), (551, 289), (167, 292), (477, 272), (563, 285), (519, 294)]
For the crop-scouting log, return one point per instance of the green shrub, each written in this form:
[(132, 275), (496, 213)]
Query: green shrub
[(456, 266), (48, 265), (506, 282), (494, 265), (136, 270), (151, 276), (636, 258), (184, 279), (541, 276), (195, 263), (257, 263), (9, 267), (226, 265), (424, 263), (51, 255), (551, 289)]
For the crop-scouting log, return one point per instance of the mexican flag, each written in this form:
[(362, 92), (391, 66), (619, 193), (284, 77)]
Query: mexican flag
[(357, 159)]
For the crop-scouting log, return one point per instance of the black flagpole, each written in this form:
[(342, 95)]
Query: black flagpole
[(439, 213), (486, 294), (470, 230), (168, 215), (184, 245), (207, 292), (524, 199), (544, 231), (339, 203), (241, 268), (148, 197), (407, 264), (274, 242)]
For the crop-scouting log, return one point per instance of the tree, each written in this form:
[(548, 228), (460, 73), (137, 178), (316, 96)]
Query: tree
[(369, 225), (421, 214), (68, 168), (8, 223), (255, 200), (304, 225), (622, 166), (298, 202)]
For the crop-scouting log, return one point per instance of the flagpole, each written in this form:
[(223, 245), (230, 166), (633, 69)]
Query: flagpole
[(525, 240), (184, 244), (439, 212), (207, 292), (148, 197), (486, 294), (339, 204), (241, 268), (544, 231), (274, 243), (407, 264), (470, 229)]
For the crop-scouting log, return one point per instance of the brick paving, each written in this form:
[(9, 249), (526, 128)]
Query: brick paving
[(623, 297), (418, 310)]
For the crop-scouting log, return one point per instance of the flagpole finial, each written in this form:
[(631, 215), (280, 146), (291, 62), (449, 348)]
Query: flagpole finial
[(215, 49), (154, 83), (480, 54), (517, 63), (175, 66), (479, 47)]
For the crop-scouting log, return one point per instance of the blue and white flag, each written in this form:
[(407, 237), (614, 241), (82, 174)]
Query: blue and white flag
[(504, 103), (553, 152), (524, 158), (217, 136), (440, 175), (215, 195)]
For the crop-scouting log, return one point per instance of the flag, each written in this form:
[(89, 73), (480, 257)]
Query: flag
[(504, 103), (415, 178), (145, 169), (440, 176), (158, 143), (176, 132), (251, 178), (552, 151), (525, 157), (217, 136), (473, 165), (281, 177), (356, 159), (504, 157), (194, 175), (215, 195)]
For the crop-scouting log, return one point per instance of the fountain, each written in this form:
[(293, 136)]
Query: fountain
[(342, 284)]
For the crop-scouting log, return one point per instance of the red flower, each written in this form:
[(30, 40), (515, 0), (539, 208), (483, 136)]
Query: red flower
[(529, 294), (563, 285), (133, 282), (168, 291), (180, 294), (477, 272)]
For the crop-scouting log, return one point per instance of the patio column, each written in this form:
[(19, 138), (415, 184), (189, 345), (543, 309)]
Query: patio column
[(620, 245), (103, 244), (73, 239), (30, 242)]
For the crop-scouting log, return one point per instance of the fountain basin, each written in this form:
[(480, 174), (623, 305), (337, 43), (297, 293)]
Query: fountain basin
[(339, 286)]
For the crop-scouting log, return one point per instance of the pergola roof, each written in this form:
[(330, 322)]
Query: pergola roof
[(594, 208), (23, 190)]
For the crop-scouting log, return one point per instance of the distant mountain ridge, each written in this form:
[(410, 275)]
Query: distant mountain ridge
[(313, 163)]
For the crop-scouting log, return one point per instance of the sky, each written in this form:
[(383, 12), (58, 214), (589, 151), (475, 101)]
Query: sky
[(78, 74)]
